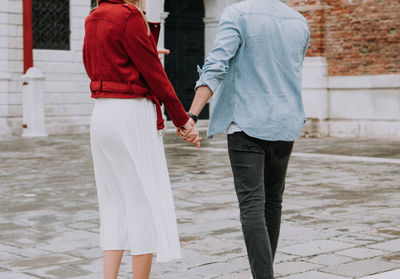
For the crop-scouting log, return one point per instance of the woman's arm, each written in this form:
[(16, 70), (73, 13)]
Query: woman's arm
[(143, 53)]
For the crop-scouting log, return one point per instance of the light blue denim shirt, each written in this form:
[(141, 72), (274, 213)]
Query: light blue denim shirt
[(254, 70)]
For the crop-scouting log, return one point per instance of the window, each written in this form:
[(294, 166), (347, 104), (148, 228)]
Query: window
[(51, 28)]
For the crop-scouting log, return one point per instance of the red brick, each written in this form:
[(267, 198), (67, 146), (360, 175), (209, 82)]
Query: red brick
[(361, 37)]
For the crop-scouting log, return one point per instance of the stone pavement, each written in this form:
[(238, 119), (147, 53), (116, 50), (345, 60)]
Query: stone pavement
[(341, 211)]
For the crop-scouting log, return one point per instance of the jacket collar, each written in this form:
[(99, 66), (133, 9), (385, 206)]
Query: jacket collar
[(112, 1)]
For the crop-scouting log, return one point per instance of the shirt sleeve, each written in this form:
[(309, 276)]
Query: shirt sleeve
[(143, 53), (226, 45), (307, 35)]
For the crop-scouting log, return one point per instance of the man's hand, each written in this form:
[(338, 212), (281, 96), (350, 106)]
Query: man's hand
[(189, 133), (162, 52)]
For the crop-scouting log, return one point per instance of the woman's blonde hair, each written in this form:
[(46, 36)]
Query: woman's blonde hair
[(140, 5)]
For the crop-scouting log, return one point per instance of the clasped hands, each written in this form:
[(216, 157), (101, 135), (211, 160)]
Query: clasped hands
[(189, 133)]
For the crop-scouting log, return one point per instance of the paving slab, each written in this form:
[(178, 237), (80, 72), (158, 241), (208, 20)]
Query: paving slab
[(315, 275), (13, 275), (361, 253), (331, 259), (315, 247), (394, 274), (391, 245), (361, 268), (340, 211), (58, 271), (287, 268)]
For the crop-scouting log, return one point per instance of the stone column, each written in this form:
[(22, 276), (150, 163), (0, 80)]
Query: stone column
[(33, 104), (154, 9), (315, 96), (211, 27), (161, 40), (214, 10), (5, 76)]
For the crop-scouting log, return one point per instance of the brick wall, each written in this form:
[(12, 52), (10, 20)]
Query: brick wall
[(358, 37)]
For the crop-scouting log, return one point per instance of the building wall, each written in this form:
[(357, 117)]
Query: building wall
[(364, 106), (4, 75), (68, 104), (351, 77), (12, 102), (358, 37), (67, 100)]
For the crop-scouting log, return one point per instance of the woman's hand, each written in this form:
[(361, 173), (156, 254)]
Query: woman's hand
[(189, 133), (185, 130)]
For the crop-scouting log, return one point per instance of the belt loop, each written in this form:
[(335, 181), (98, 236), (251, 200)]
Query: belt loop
[(101, 86), (130, 83)]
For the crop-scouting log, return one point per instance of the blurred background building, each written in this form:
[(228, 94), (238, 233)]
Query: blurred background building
[(351, 73)]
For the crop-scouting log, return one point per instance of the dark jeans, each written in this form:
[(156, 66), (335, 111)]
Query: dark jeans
[(259, 171)]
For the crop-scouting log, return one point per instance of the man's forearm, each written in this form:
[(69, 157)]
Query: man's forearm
[(203, 94)]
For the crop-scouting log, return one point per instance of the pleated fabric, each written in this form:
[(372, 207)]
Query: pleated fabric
[(134, 192)]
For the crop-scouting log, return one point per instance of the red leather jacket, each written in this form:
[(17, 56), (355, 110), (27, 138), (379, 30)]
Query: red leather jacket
[(122, 60)]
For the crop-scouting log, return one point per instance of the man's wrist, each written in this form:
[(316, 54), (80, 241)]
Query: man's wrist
[(193, 116)]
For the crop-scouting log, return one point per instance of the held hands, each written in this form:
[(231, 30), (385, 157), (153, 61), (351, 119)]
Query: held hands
[(189, 133)]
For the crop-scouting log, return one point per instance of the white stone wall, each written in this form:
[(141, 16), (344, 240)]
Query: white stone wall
[(15, 66), (67, 99), (68, 105), (350, 106), (315, 96), (14, 58), (362, 106), (214, 9), (154, 9), (4, 74)]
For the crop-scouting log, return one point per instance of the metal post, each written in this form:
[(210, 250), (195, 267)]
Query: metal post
[(28, 36)]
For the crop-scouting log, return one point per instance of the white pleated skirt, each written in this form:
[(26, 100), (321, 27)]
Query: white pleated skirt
[(134, 192)]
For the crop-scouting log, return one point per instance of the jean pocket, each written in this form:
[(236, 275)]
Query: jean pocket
[(282, 150), (239, 141)]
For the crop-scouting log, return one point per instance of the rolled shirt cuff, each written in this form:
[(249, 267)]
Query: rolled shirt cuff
[(211, 83)]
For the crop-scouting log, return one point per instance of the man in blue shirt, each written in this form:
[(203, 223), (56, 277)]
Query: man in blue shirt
[(254, 71)]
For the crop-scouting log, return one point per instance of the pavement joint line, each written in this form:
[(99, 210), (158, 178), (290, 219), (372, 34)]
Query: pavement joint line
[(346, 158), (384, 275), (218, 142), (172, 145), (215, 149), (336, 202)]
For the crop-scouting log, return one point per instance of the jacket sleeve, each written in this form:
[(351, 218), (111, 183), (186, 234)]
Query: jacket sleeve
[(226, 45), (142, 52)]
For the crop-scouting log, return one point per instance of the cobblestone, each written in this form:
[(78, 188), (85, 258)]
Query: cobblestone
[(340, 220)]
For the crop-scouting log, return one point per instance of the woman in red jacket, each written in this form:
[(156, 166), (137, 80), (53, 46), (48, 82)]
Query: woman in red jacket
[(129, 84)]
